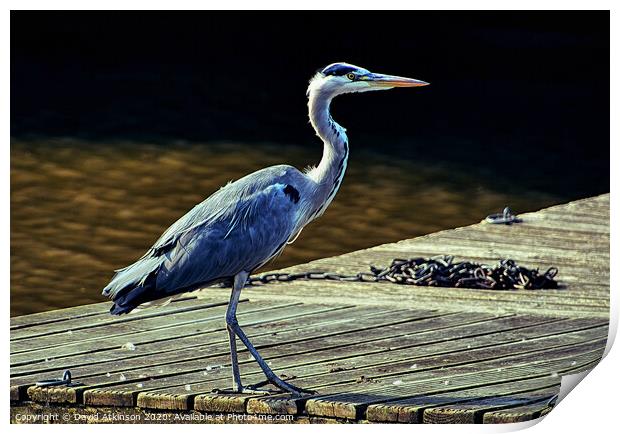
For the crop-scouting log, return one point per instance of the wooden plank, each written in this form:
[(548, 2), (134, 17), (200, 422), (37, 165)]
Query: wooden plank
[(502, 237), (309, 365), (88, 322), (353, 405), (318, 319), (559, 226), (196, 358), (596, 211), (375, 368), (126, 328), (428, 357), (396, 367), (591, 212), (58, 315), (581, 368), (450, 299), (558, 221), (108, 327), (200, 368), (270, 323), (595, 218), (326, 360), (95, 309), (507, 248), (411, 410), (158, 340), (192, 367), (432, 343), (520, 413), (584, 214), (520, 234), (473, 411)]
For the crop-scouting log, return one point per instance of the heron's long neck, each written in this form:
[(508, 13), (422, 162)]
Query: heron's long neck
[(330, 171)]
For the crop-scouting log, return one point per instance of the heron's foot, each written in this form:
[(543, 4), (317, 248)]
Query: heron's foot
[(250, 390), (287, 387)]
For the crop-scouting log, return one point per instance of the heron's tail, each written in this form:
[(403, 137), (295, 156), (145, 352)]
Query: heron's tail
[(133, 285)]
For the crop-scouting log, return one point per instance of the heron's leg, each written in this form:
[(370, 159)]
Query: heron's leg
[(231, 313), (233, 325), (230, 318)]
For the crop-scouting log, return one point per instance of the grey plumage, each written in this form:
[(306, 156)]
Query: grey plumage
[(246, 223), (203, 246)]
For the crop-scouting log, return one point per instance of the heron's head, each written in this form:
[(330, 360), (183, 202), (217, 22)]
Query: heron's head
[(339, 78)]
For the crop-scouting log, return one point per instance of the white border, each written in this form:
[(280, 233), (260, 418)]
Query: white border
[(592, 408)]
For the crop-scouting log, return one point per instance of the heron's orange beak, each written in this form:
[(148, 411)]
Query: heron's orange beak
[(381, 80)]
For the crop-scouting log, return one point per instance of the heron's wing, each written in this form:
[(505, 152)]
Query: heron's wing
[(218, 206), (238, 228), (243, 236)]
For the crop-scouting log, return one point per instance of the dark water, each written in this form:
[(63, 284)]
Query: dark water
[(79, 210)]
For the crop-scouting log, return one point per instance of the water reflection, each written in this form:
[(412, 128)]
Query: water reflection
[(80, 210)]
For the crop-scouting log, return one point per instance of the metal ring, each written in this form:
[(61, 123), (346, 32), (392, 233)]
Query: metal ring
[(506, 217), (64, 381)]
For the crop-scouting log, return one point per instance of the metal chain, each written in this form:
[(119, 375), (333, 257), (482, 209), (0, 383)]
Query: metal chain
[(439, 271)]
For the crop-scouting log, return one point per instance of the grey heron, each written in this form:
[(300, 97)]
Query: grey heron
[(246, 223)]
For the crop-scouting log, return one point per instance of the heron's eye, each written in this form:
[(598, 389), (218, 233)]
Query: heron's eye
[(351, 76)]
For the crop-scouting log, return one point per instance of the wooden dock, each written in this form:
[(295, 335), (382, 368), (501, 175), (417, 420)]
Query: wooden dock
[(374, 352)]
